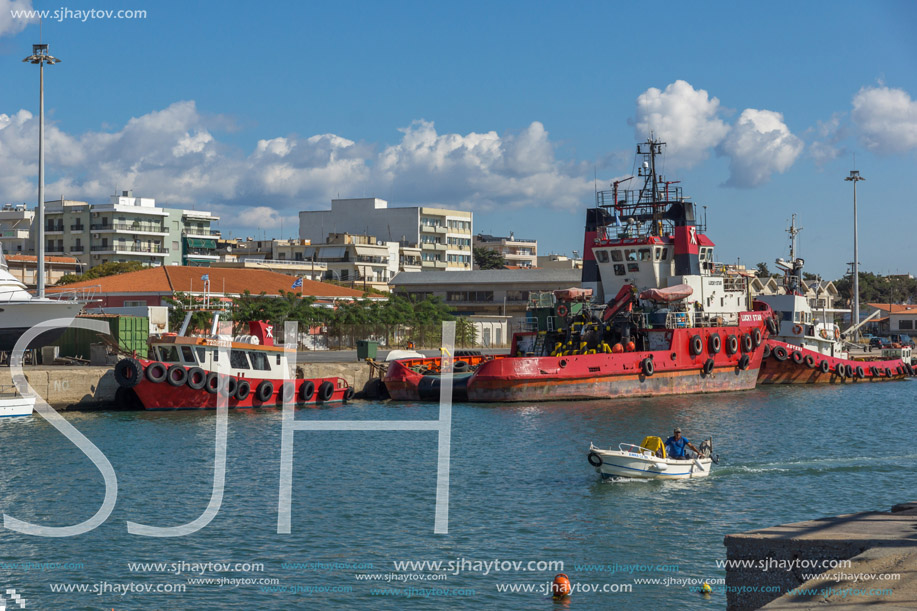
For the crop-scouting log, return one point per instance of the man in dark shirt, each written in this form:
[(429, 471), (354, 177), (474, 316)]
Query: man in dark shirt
[(675, 445)]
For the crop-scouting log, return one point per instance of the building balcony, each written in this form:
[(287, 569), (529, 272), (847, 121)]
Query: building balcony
[(199, 233), (78, 250), (57, 251), (433, 229), (77, 228), (144, 228), (14, 234), (54, 229), (129, 249)]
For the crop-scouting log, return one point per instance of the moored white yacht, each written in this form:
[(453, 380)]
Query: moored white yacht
[(20, 310)]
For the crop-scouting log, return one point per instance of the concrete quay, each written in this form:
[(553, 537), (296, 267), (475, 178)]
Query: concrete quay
[(86, 388), (881, 548)]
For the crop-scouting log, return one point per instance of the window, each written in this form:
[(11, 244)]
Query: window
[(619, 269), (238, 360), (187, 354), (658, 252), (616, 255), (201, 355), (602, 256), (168, 354), (633, 267), (630, 254), (259, 361), (134, 303), (905, 324), (645, 254), (665, 252), (517, 296)]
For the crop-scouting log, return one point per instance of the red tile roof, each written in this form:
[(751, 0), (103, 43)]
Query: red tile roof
[(230, 281), (895, 308)]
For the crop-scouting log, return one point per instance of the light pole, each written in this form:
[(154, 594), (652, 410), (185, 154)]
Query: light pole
[(41, 57), (855, 178)]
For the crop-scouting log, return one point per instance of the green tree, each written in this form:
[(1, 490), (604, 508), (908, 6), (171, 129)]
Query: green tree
[(763, 272), (485, 258), (112, 268)]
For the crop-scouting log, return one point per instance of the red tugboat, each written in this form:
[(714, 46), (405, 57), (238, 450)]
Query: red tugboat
[(809, 348), (674, 325), (181, 374)]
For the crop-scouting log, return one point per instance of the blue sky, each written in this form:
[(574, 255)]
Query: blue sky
[(506, 108)]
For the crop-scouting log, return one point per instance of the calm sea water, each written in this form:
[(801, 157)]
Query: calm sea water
[(521, 491)]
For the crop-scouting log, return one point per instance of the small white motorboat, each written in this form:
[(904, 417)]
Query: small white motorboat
[(649, 461), (14, 404)]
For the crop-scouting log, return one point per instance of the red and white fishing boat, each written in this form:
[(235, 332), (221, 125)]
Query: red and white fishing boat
[(182, 373), (809, 347), (675, 323)]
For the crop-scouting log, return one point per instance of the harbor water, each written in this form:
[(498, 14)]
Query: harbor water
[(523, 499)]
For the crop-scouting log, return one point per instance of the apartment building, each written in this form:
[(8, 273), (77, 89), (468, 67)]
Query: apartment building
[(443, 236), (516, 252), (15, 229), (129, 228)]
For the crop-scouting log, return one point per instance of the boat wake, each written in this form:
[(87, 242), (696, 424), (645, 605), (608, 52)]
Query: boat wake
[(814, 465)]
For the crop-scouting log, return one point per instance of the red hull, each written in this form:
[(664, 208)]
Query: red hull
[(163, 395), (774, 371), (602, 376)]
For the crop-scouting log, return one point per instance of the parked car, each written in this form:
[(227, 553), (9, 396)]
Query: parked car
[(880, 342), (903, 340)]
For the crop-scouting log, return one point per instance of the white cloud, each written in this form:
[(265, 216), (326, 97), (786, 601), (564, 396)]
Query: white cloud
[(175, 156), (10, 24), (683, 117), (886, 119), (829, 134), (759, 144)]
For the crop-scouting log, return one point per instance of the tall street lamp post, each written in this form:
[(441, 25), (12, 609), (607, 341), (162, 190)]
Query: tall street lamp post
[(855, 178), (41, 57)]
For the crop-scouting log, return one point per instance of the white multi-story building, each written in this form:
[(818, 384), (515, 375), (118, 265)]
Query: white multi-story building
[(442, 235), (15, 228), (129, 228)]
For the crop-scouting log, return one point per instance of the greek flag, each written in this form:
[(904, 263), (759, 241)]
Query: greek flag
[(298, 283), (206, 277)]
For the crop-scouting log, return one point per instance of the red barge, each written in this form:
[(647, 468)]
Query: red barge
[(183, 374), (676, 323)]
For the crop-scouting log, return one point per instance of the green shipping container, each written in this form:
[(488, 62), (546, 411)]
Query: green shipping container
[(129, 332)]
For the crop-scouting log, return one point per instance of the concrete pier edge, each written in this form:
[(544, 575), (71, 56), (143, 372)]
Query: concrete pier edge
[(876, 543)]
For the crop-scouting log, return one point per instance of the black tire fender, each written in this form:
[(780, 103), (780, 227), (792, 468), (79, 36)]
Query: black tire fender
[(747, 343), (212, 383), (264, 391), (715, 343), (732, 345), (780, 353), (325, 390), (243, 389), (744, 361), (696, 345), (824, 366), (306, 391), (594, 459), (177, 375), (128, 372), (708, 366), (197, 377), (646, 365), (156, 372)]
